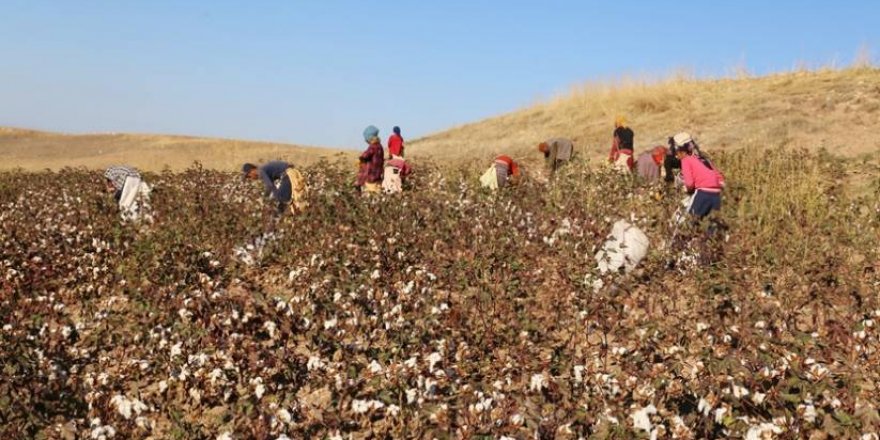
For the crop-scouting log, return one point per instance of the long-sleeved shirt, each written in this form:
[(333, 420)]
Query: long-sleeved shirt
[(118, 173), (372, 162), (647, 167), (558, 150), (697, 175), (275, 171), (395, 145)]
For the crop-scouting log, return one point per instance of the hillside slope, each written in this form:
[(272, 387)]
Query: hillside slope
[(835, 109), (37, 150)]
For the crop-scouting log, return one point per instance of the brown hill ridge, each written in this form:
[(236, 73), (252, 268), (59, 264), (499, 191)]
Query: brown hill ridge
[(835, 109), (37, 150)]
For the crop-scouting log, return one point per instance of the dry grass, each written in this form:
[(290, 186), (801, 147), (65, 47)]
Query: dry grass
[(833, 109), (35, 150)]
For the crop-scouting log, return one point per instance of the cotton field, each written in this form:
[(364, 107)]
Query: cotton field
[(442, 312)]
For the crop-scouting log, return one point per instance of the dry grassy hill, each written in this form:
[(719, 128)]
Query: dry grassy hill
[(36, 150), (835, 109)]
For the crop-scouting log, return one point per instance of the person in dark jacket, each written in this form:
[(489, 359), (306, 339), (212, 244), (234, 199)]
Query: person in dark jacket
[(621, 155), (372, 163), (670, 162), (276, 181)]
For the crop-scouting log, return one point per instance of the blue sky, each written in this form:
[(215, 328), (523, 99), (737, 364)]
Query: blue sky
[(317, 72)]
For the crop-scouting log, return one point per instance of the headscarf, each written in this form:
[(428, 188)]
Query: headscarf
[(371, 133), (543, 147), (620, 121), (658, 154), (396, 130)]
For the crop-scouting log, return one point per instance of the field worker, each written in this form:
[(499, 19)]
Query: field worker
[(281, 183), (622, 146), (131, 193), (557, 152), (506, 170), (369, 177), (700, 177), (395, 144), (648, 164), (670, 163), (396, 172)]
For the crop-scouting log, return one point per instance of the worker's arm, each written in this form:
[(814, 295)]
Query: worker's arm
[(687, 174), (268, 183), (367, 156)]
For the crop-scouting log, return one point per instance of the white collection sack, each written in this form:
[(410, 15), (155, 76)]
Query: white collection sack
[(489, 179), (626, 247), (134, 203)]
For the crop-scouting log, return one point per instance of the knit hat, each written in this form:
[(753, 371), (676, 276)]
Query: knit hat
[(370, 133), (396, 130), (682, 139)]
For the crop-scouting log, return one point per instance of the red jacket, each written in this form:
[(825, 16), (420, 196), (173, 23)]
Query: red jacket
[(395, 145)]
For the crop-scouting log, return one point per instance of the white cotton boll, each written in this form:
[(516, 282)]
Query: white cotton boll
[(704, 407), (433, 359), (360, 406), (739, 392), (176, 349), (375, 275), (393, 410), (760, 324), (314, 363), (225, 436), (719, 415), (809, 412), (702, 326), (196, 395), (330, 323), (410, 363), (411, 395), (538, 382), (270, 328), (215, 375), (578, 373), (374, 367), (162, 386), (184, 314), (642, 418), (283, 415), (758, 398), (516, 419), (762, 431)]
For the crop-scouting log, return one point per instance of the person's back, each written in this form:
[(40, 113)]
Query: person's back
[(647, 167), (395, 144)]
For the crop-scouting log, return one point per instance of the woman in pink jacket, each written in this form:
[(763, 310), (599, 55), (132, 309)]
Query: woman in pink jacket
[(700, 176)]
